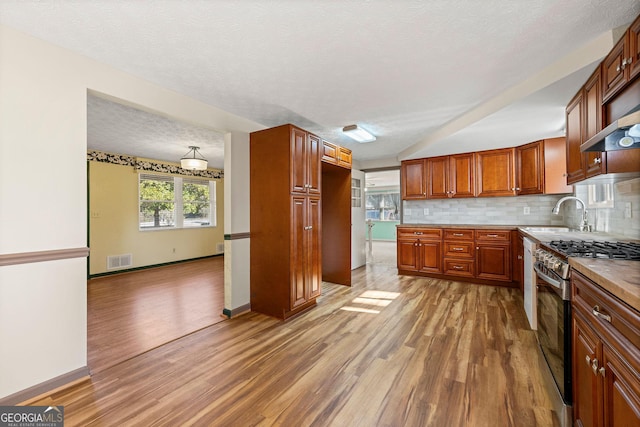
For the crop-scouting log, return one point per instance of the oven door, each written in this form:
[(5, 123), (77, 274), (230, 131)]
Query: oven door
[(554, 328)]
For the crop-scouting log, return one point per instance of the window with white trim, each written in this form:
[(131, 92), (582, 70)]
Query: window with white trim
[(167, 201)]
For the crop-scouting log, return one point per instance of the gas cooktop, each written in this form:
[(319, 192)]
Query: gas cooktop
[(597, 249)]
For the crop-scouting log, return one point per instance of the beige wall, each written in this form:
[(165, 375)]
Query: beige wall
[(113, 223)]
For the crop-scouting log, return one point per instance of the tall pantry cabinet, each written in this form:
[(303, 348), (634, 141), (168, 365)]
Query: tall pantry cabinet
[(286, 260)]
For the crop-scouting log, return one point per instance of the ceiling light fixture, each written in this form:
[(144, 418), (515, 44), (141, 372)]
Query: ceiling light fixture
[(193, 163), (357, 133)]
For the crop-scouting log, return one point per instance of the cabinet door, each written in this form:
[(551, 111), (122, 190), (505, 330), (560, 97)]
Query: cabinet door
[(586, 397), (298, 251), (344, 157), (314, 245), (407, 254), (314, 151), (595, 162), (329, 153), (438, 178), (555, 166), (496, 171), (430, 253), (493, 261), (613, 71), (298, 161), (530, 168), (621, 392), (633, 60), (575, 159), (462, 175), (413, 179)]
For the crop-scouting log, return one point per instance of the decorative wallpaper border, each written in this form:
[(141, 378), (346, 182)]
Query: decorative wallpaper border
[(150, 166)]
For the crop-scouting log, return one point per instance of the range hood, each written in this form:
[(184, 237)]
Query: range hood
[(623, 134)]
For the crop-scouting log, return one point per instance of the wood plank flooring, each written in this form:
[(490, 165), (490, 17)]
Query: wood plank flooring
[(130, 313), (389, 351)]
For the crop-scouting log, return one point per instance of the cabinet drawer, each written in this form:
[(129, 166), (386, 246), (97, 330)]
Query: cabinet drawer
[(458, 234), (494, 235), (459, 267), (422, 233), (458, 249), (604, 311)]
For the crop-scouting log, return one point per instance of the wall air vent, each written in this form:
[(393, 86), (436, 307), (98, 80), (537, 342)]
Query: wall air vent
[(115, 262)]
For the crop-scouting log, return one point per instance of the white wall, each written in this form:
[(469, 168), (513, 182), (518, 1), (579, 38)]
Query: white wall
[(43, 206)]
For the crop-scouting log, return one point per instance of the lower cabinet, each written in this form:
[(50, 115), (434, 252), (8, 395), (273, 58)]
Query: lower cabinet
[(305, 250), (480, 254), (606, 358), (420, 250), (493, 255)]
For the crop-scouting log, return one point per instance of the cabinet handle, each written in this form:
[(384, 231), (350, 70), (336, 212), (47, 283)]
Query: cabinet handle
[(588, 359), (515, 188), (458, 249), (519, 256), (458, 234), (597, 160), (596, 312), (629, 60), (618, 69), (594, 366), (624, 63), (457, 267), (419, 233), (492, 235), (602, 371)]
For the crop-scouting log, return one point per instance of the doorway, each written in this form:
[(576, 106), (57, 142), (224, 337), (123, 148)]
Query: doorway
[(383, 210)]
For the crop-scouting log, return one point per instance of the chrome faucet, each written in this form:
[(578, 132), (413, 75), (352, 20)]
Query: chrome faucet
[(584, 226)]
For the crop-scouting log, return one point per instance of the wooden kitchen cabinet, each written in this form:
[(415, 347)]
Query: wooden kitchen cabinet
[(530, 168), (305, 250), (419, 250), (584, 120), (496, 173), (479, 255), (606, 357), (285, 220), (451, 176), (620, 66), (306, 154), (493, 255), (413, 179), (336, 155), (459, 252)]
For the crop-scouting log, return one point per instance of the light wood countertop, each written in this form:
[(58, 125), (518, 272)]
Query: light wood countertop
[(620, 278)]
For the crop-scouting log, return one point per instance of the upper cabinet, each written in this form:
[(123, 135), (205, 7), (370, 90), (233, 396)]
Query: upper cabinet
[(413, 179), (451, 176), (621, 65), (584, 119), (496, 173), (530, 168), (612, 91), (336, 155), (305, 155)]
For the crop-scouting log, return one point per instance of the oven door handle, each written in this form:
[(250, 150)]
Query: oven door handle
[(550, 280)]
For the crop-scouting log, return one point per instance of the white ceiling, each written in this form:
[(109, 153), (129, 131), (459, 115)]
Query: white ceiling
[(427, 77)]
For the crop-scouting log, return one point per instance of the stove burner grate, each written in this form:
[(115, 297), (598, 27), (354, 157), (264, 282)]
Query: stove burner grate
[(598, 249)]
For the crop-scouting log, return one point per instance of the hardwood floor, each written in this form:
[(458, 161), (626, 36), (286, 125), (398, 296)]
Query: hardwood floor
[(388, 351), (130, 313)]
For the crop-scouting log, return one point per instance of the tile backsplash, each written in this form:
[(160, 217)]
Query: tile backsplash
[(484, 210), (511, 210)]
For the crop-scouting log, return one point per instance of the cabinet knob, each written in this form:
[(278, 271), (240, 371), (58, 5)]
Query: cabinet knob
[(597, 160), (629, 60), (624, 63), (602, 371), (594, 366), (588, 359), (618, 69)]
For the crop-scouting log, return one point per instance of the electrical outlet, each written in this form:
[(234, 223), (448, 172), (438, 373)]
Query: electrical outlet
[(627, 210), (527, 210), (426, 211)]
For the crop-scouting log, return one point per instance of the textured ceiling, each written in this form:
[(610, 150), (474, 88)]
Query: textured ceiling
[(427, 77)]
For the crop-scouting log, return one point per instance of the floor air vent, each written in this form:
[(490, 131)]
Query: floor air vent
[(115, 262)]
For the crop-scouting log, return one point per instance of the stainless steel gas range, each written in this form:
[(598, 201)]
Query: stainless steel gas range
[(554, 304)]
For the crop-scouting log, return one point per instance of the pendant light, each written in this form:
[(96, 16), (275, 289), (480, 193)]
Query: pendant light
[(190, 162)]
